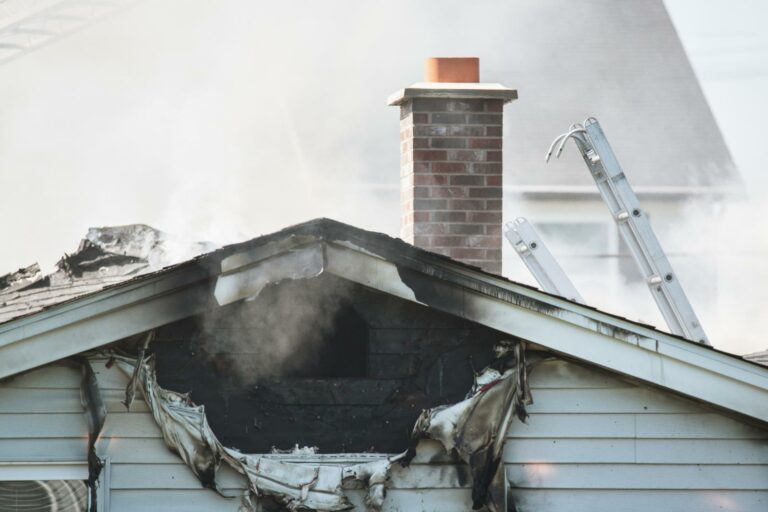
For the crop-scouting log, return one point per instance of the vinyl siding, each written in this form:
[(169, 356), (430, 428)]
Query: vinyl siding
[(596, 442), (42, 420), (593, 442)]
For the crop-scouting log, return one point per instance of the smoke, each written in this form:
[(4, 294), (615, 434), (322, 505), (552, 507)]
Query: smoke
[(284, 332), (224, 120)]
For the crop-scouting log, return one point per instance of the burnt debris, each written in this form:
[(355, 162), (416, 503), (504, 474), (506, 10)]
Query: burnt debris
[(106, 256)]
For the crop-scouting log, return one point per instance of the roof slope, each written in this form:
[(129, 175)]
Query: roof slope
[(396, 268)]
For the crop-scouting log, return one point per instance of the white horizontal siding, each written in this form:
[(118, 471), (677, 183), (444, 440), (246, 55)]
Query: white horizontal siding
[(596, 442), (629, 500), (42, 421), (593, 442)]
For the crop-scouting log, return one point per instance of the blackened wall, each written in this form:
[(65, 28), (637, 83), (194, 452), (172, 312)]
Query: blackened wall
[(270, 374)]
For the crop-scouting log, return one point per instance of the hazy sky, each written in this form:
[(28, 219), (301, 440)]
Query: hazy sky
[(211, 119), (154, 116)]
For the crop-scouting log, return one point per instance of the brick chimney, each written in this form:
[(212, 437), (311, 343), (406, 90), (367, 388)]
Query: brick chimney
[(450, 162)]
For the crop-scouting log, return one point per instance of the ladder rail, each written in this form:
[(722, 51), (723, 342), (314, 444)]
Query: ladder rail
[(635, 228), (539, 260)]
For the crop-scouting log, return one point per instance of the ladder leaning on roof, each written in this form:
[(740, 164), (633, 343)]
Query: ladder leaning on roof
[(634, 227), (531, 249)]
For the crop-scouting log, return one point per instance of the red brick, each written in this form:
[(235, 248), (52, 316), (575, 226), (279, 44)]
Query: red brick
[(493, 143), (493, 181), (429, 155), (430, 130), (421, 167), (420, 118), (484, 119), (448, 167), (448, 142), (486, 168), (466, 229), (493, 229), (493, 156), (467, 179), (447, 105), (448, 192), (468, 204), (428, 228), (482, 241), (485, 192), (465, 155), (485, 217), (463, 130), (420, 216), (448, 241), (493, 254), (449, 118), (449, 216), (422, 240), (421, 192), (466, 253), (430, 179), (493, 131), (493, 204), (420, 142), (494, 106), (430, 204)]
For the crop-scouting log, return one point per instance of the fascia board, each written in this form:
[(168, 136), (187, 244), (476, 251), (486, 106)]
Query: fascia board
[(102, 318)]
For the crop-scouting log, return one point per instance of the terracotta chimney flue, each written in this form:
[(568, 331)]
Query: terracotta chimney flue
[(451, 162), (452, 69)]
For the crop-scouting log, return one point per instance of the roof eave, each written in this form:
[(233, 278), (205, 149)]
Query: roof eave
[(391, 267)]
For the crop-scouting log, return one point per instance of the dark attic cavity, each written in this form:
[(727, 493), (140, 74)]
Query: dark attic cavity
[(320, 362)]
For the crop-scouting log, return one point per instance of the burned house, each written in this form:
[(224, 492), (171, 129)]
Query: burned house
[(324, 367), (315, 351)]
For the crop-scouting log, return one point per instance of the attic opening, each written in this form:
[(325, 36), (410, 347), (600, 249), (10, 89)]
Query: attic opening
[(320, 362)]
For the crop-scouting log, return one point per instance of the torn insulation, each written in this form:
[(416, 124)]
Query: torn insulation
[(296, 486), (475, 428)]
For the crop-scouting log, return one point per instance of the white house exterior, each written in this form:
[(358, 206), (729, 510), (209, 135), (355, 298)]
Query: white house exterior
[(624, 417)]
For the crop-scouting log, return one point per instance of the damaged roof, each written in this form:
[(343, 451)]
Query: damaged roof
[(106, 256), (139, 299)]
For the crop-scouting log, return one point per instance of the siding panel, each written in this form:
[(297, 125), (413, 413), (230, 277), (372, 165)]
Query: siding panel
[(593, 442), (163, 500), (576, 500), (650, 426), (640, 476)]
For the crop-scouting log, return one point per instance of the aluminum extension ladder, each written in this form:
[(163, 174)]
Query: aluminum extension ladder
[(634, 227), (531, 249)]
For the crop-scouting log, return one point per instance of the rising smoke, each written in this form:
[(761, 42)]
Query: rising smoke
[(223, 120), (285, 331)]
